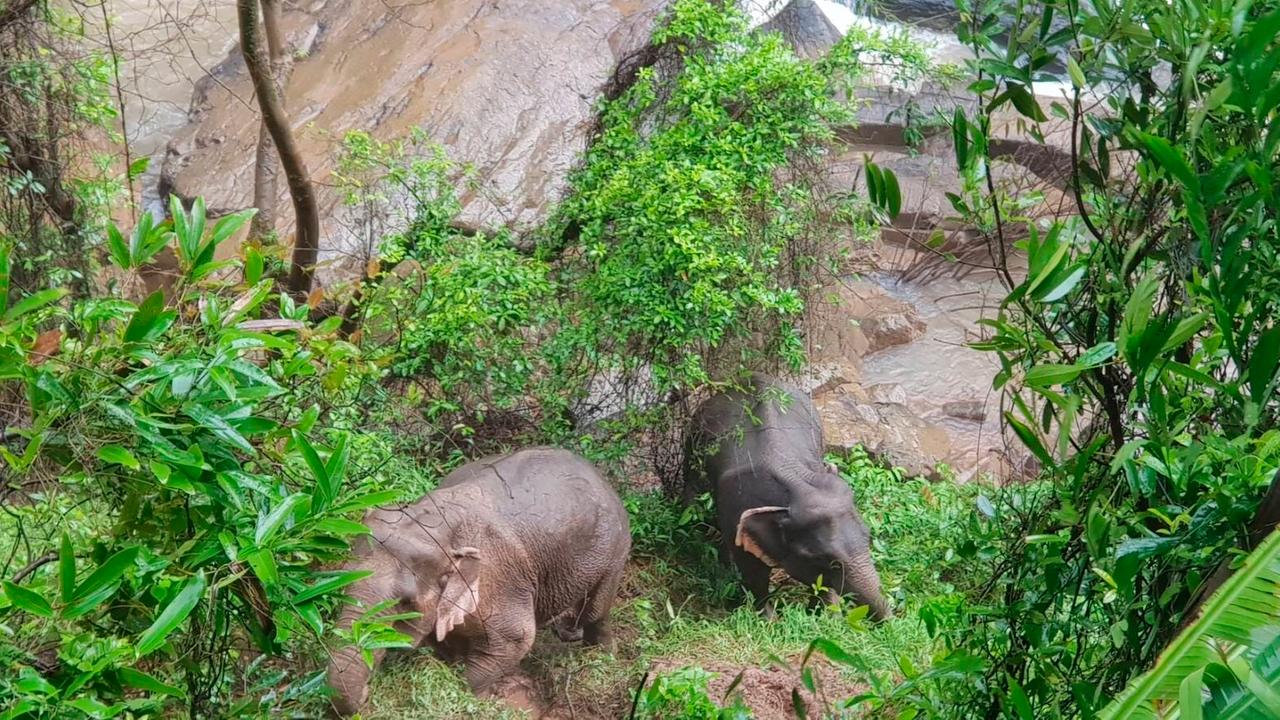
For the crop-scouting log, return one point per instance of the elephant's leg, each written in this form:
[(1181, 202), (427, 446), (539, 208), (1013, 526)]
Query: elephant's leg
[(507, 640), (755, 577), (595, 616)]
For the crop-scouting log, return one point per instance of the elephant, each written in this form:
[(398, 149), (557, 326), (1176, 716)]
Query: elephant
[(777, 503), (503, 546)]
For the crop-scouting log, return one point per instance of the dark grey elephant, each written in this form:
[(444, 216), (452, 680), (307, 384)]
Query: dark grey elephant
[(777, 503), (505, 545)]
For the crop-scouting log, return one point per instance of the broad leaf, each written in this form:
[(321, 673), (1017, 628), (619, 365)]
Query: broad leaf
[(27, 600), (174, 613)]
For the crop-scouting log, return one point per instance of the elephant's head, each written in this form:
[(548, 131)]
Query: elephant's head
[(423, 572), (819, 534)]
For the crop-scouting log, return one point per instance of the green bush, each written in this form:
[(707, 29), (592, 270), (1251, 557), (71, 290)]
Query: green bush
[(181, 497), (693, 222), (1138, 351), (682, 695)]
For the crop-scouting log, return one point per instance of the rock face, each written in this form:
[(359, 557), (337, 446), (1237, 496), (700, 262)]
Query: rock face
[(507, 86)]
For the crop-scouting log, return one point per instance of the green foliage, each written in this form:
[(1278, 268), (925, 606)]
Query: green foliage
[(682, 694), (1138, 352), (693, 220), (1231, 652), (55, 196), (185, 426)]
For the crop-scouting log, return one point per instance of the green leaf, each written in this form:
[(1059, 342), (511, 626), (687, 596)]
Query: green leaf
[(1054, 292), (1263, 363), (1028, 438), (117, 248), (1171, 159), (364, 502), (1190, 701), (27, 600), (1025, 102), (116, 455), (138, 167), (323, 494), (892, 193), (66, 569), (960, 136), (174, 613), (228, 225), (264, 566), (1076, 74), (146, 318), (1187, 327), (1097, 355), (336, 468), (341, 526), (1018, 697), (218, 425), (82, 606), (107, 574), (95, 708), (1052, 374), (253, 265), (328, 585), (142, 681), (1248, 600), (833, 652), (33, 302), (270, 523), (1137, 313)]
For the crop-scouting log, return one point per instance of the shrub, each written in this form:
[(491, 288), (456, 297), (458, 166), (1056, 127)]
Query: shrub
[(195, 498), (1138, 352)]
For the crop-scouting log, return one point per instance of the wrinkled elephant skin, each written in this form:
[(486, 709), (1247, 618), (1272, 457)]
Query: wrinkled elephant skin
[(505, 545), (777, 503)]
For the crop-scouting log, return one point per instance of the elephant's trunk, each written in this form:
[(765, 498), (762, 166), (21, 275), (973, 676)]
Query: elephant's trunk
[(348, 675), (863, 582), (349, 679)]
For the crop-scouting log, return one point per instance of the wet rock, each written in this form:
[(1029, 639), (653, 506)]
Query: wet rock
[(823, 377), (806, 27), (853, 321), (508, 87), (889, 328), (889, 431), (973, 410)]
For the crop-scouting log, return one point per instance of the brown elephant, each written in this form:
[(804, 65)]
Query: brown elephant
[(777, 503), (505, 545)]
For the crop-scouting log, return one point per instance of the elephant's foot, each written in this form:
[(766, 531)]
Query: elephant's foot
[(567, 629), (598, 634)]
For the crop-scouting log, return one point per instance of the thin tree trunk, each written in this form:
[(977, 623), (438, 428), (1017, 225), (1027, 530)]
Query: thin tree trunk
[(267, 165), (306, 245)]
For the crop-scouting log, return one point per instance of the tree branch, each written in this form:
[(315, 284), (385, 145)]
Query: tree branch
[(306, 246)]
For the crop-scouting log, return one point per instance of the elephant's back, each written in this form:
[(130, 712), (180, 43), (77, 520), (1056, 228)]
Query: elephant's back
[(767, 418), (545, 494), (569, 521)]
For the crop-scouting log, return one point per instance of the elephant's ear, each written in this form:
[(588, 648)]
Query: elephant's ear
[(755, 524), (461, 594)]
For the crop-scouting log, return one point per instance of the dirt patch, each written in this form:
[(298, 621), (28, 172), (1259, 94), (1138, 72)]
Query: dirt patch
[(768, 691)]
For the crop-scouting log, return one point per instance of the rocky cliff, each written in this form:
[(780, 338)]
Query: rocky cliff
[(508, 86)]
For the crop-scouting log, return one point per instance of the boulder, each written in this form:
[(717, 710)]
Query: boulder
[(508, 87), (889, 431), (855, 319)]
